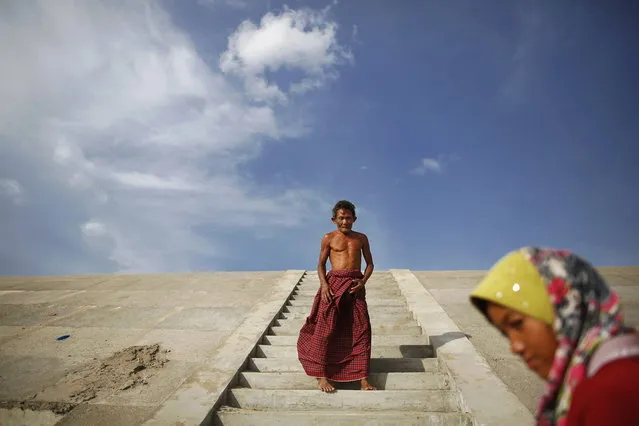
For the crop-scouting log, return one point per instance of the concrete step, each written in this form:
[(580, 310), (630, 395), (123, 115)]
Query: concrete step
[(377, 365), (304, 400), (389, 321), (380, 317), (371, 284), (369, 297), (308, 302), (311, 290), (416, 351), (315, 280), (239, 417), (377, 340), (375, 292), (384, 330), (383, 381), (372, 310)]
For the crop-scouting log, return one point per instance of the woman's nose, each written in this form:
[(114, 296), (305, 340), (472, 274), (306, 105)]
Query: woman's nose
[(517, 346)]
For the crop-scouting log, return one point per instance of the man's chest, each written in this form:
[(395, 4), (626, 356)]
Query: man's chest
[(350, 245)]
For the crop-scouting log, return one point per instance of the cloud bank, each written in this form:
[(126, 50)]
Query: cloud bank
[(128, 144)]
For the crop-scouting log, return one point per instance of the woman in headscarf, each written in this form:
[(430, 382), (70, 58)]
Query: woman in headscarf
[(565, 322)]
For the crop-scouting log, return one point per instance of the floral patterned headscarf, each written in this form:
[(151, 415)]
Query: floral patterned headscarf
[(587, 312)]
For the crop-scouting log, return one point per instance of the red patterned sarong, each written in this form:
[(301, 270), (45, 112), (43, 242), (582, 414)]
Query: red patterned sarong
[(335, 340)]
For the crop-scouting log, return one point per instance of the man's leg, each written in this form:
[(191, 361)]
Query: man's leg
[(362, 325), (313, 342)]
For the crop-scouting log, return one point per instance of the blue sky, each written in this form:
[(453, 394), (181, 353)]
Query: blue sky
[(217, 134)]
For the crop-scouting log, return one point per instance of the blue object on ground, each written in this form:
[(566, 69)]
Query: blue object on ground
[(66, 336)]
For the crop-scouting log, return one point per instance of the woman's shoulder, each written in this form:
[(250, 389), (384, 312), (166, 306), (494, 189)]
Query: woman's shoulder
[(610, 395), (617, 374)]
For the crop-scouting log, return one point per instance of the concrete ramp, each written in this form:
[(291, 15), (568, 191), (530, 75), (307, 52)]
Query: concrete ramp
[(415, 388), (232, 358)]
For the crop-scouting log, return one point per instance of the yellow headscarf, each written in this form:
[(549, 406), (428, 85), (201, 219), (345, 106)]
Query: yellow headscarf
[(515, 283)]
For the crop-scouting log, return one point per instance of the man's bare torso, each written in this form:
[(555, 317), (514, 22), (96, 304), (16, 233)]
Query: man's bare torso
[(346, 249)]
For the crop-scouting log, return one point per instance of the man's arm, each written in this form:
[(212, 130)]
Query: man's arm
[(368, 257), (325, 249)]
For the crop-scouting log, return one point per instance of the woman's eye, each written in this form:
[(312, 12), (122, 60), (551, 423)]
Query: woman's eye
[(517, 324)]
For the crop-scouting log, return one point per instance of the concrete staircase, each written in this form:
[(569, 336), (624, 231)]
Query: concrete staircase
[(414, 388)]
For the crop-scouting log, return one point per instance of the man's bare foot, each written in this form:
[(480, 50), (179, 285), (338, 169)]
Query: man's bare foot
[(367, 386), (324, 385)]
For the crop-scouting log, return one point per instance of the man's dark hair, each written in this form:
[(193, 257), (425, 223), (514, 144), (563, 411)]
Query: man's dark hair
[(344, 205)]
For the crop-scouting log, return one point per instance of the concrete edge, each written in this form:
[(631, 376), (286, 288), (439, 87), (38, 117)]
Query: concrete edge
[(483, 395), (199, 397)]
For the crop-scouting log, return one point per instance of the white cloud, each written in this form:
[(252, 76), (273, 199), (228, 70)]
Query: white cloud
[(428, 165), (94, 229), (151, 181), (355, 34), (239, 4), (529, 50), (11, 189), (295, 39), (112, 100)]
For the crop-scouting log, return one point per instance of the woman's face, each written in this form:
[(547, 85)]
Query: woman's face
[(529, 337)]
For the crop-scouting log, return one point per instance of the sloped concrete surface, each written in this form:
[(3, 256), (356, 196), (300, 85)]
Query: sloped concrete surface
[(192, 315)]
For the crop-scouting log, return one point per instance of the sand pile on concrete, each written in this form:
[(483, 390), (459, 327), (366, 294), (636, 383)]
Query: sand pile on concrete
[(123, 370)]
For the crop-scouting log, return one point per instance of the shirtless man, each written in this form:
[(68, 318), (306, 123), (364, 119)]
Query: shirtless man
[(344, 247)]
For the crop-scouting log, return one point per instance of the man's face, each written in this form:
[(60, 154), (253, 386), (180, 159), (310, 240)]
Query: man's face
[(344, 220)]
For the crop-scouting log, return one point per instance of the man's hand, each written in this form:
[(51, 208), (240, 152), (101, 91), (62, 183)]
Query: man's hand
[(358, 285), (326, 294)]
